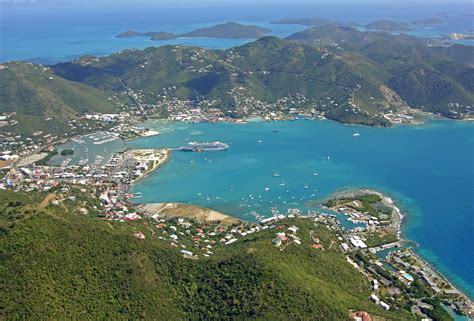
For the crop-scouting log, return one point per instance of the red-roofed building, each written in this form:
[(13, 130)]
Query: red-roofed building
[(361, 315)]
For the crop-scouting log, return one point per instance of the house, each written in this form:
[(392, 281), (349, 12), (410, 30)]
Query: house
[(357, 242), (186, 253), (281, 236), (293, 229), (374, 298), (375, 284), (384, 305)]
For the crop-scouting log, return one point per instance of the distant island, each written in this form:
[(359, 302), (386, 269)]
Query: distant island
[(229, 30), (314, 22), (380, 25), (226, 30), (388, 25), (426, 22), (159, 35)]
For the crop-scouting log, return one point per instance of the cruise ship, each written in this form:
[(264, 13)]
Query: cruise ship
[(203, 147)]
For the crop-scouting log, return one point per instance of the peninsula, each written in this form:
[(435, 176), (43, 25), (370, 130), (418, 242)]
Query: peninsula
[(288, 258)]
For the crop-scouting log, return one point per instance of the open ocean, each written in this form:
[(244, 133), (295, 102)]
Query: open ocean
[(47, 34), (428, 169)]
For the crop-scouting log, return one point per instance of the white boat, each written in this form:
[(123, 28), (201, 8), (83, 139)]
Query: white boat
[(276, 175), (356, 134)]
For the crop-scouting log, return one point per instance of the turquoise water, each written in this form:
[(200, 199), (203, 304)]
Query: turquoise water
[(428, 170), (49, 32)]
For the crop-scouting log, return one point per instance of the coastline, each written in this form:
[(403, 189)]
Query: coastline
[(397, 222), (157, 158)]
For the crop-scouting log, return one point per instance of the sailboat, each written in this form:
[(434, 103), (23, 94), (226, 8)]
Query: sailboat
[(356, 134)]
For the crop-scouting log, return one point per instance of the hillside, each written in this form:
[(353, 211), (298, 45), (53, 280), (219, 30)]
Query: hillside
[(35, 94), (388, 25), (337, 72), (435, 79), (56, 263), (228, 30)]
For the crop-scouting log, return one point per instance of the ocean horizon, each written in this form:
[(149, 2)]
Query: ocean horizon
[(51, 35)]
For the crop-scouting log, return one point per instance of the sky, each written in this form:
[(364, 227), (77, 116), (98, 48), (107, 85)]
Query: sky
[(66, 3), (299, 8)]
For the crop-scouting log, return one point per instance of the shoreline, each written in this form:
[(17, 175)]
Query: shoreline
[(157, 162), (398, 216), (397, 222)]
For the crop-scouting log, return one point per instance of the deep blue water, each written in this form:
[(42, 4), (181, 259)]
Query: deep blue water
[(47, 33), (428, 170)]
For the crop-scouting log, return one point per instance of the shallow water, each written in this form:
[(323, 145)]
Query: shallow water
[(428, 169)]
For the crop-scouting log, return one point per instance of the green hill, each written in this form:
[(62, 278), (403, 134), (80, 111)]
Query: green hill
[(435, 79), (35, 94), (228, 30), (388, 25), (348, 75), (56, 263)]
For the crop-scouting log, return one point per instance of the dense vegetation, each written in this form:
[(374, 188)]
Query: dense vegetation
[(44, 101), (377, 72), (226, 30), (437, 313), (58, 263), (427, 78), (67, 152), (331, 61), (366, 203)]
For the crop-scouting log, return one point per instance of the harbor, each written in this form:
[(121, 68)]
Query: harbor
[(285, 180)]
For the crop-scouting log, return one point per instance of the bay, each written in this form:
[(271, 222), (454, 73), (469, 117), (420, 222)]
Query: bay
[(427, 169)]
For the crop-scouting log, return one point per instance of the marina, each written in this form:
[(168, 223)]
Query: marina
[(305, 175)]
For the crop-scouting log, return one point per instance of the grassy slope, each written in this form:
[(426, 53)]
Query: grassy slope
[(55, 263), (426, 77), (28, 90), (420, 74)]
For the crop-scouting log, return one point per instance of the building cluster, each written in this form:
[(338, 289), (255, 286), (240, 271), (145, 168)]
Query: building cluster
[(111, 179)]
